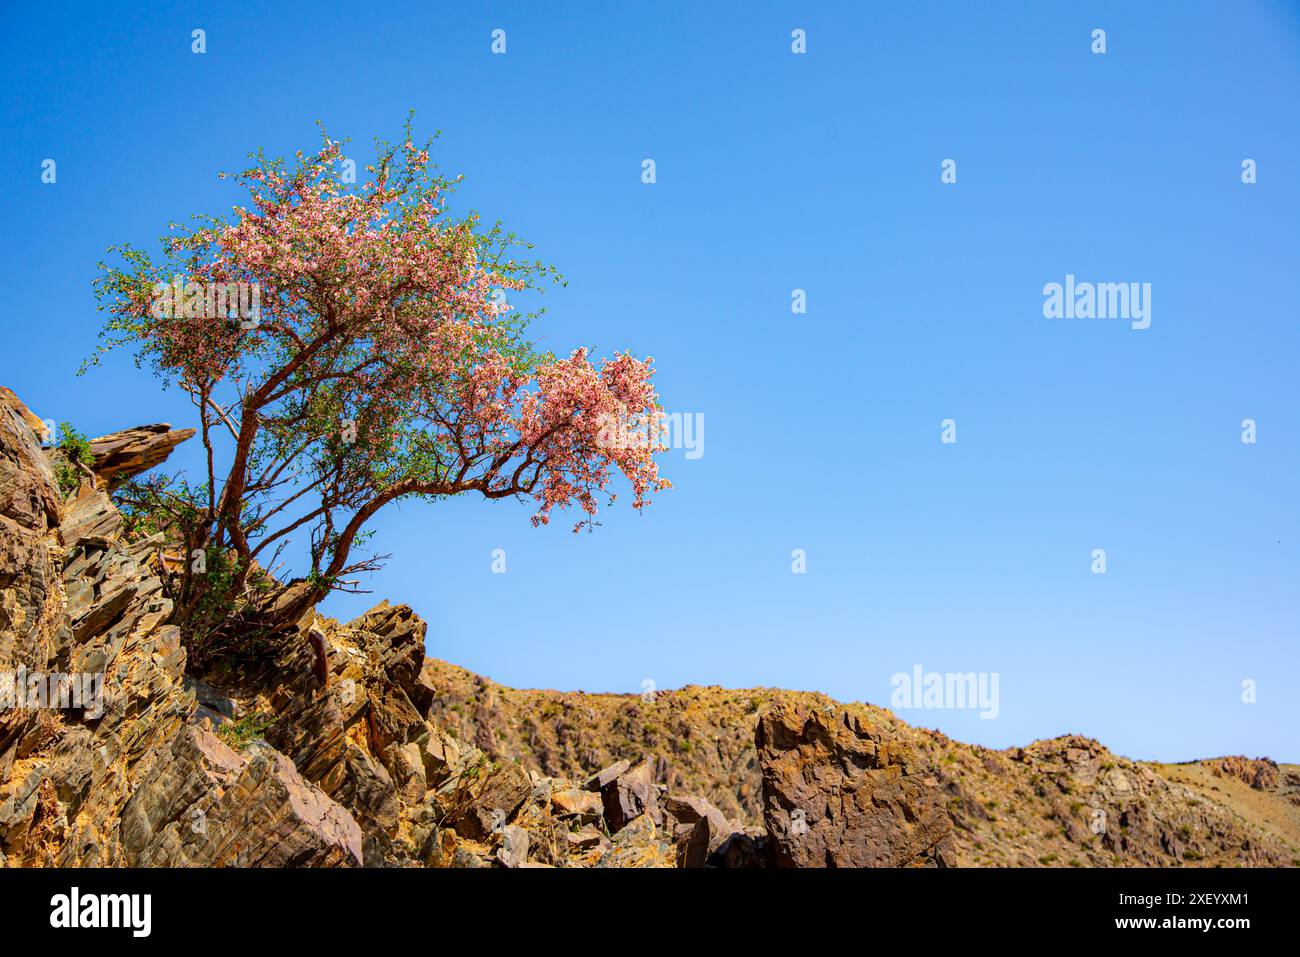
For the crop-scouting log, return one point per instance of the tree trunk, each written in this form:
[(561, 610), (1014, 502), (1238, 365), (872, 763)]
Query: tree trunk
[(290, 608)]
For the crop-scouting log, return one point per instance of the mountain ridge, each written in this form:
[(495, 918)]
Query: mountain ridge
[(512, 723)]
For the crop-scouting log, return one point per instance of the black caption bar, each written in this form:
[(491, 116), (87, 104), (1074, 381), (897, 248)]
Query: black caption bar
[(334, 907)]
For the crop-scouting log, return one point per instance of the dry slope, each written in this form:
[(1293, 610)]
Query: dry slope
[(1059, 802)]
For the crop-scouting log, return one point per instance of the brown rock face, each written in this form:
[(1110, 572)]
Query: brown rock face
[(125, 775), (205, 805), (1260, 773), (7, 398), (486, 800), (629, 795), (838, 793), (30, 586), (120, 455)]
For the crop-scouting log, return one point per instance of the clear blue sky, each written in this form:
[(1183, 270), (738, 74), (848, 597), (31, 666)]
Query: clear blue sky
[(775, 172)]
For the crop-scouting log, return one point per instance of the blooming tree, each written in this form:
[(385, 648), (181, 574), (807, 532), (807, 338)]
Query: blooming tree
[(375, 360)]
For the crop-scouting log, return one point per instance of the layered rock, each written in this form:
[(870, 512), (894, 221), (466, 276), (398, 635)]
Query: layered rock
[(838, 792), (123, 775), (10, 400), (120, 455), (203, 804), (30, 588)]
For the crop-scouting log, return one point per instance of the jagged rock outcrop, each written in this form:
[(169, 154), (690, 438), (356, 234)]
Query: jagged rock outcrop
[(101, 761), (701, 832), (30, 592), (9, 399), (120, 455), (838, 792), (1099, 806), (629, 795), (202, 802), (1260, 773)]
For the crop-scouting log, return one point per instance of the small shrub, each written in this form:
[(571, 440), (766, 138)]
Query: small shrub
[(76, 451), (240, 734)]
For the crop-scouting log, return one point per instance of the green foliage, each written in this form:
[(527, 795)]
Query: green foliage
[(216, 595), (75, 449), (240, 734), (160, 503)]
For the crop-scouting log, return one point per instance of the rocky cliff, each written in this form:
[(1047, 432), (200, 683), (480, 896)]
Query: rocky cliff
[(341, 744)]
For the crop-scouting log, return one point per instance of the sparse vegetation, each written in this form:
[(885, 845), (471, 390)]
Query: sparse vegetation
[(76, 457), (241, 733)]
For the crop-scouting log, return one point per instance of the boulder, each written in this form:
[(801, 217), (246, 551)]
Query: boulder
[(840, 793), (630, 795), (585, 806), (439, 752), (486, 797), (691, 809), (697, 842), (206, 805), (741, 849), (513, 851), (600, 779), (701, 830), (585, 838)]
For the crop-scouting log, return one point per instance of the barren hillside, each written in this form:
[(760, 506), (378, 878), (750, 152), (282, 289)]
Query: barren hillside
[(1030, 806)]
